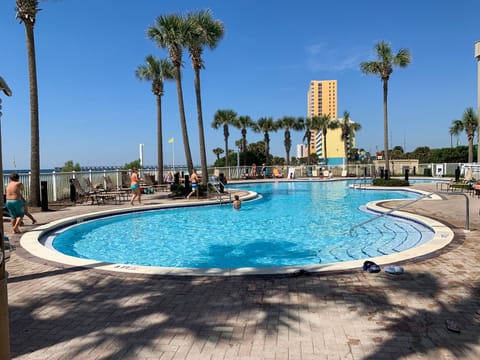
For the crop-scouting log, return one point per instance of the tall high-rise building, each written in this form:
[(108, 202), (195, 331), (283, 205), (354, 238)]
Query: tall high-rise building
[(322, 100), (301, 151)]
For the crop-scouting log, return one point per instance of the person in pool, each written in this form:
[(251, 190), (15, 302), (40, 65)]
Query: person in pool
[(14, 202), (237, 204), (135, 186), (194, 180)]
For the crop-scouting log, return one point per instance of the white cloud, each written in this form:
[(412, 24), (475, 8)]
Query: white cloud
[(320, 57)]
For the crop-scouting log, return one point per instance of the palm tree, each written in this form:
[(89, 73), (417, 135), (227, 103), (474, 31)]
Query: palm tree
[(224, 118), (454, 131), (348, 129), (397, 153), (206, 32), (244, 122), (469, 123), (157, 71), (310, 124), (218, 151), (265, 125), (383, 67), (324, 123), (239, 144), (287, 123), (26, 12), (170, 32)]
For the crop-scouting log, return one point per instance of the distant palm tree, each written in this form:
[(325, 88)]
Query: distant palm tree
[(157, 71), (265, 125), (287, 123), (310, 124), (348, 129), (205, 32), (218, 151), (244, 122), (397, 153), (170, 32), (469, 124), (454, 131), (224, 118), (239, 144), (26, 12), (383, 67)]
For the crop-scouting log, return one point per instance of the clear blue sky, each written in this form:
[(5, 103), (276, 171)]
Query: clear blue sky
[(94, 111)]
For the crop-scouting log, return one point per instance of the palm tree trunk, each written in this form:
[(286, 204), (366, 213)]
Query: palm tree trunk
[(159, 140), (183, 122), (288, 145), (470, 147), (308, 148), (244, 146), (267, 147), (225, 136), (385, 126), (34, 119), (345, 149), (325, 144), (201, 133)]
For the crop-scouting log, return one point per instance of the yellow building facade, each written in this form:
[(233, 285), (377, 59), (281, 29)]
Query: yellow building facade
[(322, 100)]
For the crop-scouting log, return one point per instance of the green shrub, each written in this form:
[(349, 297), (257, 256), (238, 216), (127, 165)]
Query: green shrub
[(390, 182), (177, 190)]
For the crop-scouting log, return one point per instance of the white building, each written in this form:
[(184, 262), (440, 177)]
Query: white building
[(301, 151)]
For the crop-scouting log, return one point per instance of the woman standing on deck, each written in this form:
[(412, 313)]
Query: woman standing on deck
[(135, 186)]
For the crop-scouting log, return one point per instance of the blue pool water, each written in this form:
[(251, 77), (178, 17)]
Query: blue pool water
[(293, 223)]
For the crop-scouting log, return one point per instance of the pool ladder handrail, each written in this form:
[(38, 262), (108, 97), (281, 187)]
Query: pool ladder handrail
[(361, 181), (467, 210), (218, 193)]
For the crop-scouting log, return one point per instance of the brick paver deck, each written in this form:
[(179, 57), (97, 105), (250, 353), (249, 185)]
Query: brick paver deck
[(57, 312)]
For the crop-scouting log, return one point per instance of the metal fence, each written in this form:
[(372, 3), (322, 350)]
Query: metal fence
[(58, 183)]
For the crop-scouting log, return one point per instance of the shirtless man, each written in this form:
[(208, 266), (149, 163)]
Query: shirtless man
[(194, 180), (14, 202)]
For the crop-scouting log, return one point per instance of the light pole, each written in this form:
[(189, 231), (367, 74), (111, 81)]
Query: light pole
[(477, 55), (140, 150), (4, 323)]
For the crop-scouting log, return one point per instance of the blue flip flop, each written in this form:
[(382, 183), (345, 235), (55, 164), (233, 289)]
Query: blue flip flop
[(395, 270), (371, 267), (367, 264)]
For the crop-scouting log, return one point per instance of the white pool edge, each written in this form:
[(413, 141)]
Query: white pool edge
[(30, 241)]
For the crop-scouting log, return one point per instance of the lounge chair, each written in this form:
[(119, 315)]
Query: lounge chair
[(125, 180), (476, 188), (151, 185), (277, 173), (291, 173), (468, 176), (123, 194), (81, 194), (98, 195)]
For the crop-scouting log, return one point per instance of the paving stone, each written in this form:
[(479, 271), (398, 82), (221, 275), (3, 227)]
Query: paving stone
[(58, 312)]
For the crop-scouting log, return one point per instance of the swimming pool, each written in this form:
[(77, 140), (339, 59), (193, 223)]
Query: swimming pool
[(291, 224)]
